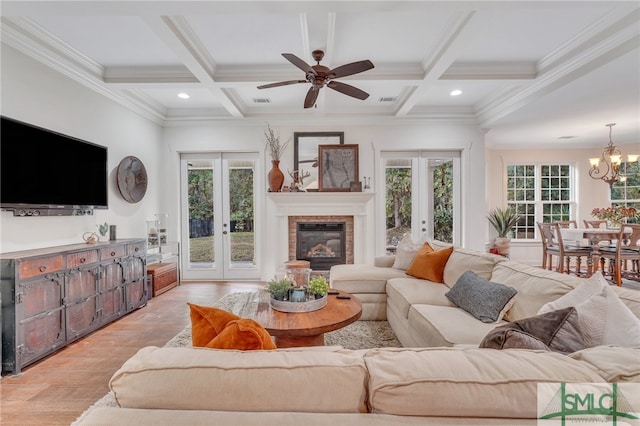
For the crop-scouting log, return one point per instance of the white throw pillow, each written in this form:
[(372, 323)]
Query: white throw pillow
[(604, 319), (406, 252)]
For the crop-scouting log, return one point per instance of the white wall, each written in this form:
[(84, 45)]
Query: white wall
[(35, 94), (408, 135), (590, 193)]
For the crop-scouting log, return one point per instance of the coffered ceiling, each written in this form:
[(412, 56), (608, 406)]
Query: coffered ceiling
[(541, 73)]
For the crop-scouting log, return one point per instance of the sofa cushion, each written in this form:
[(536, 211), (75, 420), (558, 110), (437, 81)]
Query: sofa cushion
[(463, 383), (210, 379), (404, 292), (612, 363), (361, 278), (556, 331), (446, 326), (405, 252), (109, 416), (485, 300), (429, 264), (536, 286), (603, 318), (630, 297), (463, 260)]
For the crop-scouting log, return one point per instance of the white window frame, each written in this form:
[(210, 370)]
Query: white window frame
[(538, 202)]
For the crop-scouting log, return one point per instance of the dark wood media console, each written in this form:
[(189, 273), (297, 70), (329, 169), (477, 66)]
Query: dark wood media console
[(53, 296)]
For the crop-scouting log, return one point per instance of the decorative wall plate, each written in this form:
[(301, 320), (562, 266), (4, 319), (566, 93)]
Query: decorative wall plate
[(132, 179)]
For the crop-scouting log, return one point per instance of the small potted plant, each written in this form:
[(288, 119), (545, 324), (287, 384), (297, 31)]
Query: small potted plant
[(103, 229), (503, 221), (318, 286), (279, 288)]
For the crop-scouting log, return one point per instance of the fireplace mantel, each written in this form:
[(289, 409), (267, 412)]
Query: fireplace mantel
[(320, 203), (281, 205)]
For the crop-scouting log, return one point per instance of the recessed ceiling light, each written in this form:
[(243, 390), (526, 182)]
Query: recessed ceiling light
[(456, 92), (183, 95)]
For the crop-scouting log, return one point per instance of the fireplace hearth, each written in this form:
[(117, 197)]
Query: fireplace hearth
[(323, 244)]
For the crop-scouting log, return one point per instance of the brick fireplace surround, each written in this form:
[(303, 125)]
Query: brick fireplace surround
[(292, 231), (353, 208)]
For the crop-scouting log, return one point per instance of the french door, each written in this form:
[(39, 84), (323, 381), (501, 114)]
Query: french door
[(218, 202), (422, 195)]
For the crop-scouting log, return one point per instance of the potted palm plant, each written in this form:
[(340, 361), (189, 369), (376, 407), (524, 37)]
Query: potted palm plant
[(503, 221)]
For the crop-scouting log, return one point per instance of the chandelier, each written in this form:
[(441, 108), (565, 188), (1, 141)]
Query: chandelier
[(611, 159)]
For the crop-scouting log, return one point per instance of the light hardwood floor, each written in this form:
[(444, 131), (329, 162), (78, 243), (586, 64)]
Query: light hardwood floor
[(57, 389)]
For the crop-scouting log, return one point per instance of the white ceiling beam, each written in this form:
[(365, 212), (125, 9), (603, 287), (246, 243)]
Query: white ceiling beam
[(29, 38), (611, 41), (449, 49), (176, 33)]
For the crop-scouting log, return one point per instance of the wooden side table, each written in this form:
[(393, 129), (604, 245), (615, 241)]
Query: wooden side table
[(164, 276)]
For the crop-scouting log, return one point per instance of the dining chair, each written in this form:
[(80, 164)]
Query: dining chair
[(595, 223), (550, 246), (553, 245), (573, 250), (625, 259)]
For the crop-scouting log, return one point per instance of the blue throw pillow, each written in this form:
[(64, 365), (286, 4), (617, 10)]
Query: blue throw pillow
[(483, 299)]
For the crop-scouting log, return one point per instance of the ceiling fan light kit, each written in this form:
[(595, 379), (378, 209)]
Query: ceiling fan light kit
[(320, 76)]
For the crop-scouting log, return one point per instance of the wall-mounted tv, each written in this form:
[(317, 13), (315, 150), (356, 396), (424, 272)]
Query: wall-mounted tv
[(47, 173)]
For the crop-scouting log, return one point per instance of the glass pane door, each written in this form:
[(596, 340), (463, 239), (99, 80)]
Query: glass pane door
[(422, 196), (218, 204)]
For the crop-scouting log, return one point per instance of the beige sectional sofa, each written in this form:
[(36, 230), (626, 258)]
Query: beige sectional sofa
[(440, 377), (422, 316), (334, 386)]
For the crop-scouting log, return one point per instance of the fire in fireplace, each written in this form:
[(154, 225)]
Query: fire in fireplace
[(322, 244)]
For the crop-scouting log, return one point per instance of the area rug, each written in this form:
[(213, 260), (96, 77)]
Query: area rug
[(358, 335)]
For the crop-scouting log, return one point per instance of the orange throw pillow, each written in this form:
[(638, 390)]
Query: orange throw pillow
[(429, 264), (244, 334), (217, 328)]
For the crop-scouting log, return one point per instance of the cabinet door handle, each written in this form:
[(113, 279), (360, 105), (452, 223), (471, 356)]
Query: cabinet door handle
[(43, 268), (83, 260), (113, 253)]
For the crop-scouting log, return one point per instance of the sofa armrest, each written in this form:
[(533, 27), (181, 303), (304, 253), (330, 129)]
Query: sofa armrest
[(384, 261)]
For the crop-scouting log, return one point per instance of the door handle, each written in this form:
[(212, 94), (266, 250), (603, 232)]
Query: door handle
[(224, 232)]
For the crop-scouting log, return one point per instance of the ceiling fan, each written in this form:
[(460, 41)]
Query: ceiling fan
[(319, 76)]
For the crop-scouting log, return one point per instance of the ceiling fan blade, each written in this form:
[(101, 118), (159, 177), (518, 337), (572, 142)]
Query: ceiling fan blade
[(312, 96), (299, 63), (350, 69), (348, 90), (281, 83)]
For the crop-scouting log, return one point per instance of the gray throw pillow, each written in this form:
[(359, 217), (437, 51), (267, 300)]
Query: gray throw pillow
[(556, 331), (483, 299)]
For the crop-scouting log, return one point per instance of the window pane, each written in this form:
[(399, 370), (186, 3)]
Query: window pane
[(398, 199)]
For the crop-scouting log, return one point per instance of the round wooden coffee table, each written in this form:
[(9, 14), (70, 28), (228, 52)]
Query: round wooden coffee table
[(307, 328)]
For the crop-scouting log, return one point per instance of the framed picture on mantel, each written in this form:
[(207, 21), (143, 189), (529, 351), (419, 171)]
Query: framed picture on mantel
[(305, 153), (337, 167)]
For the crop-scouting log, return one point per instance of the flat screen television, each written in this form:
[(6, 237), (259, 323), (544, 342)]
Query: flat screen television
[(42, 170)]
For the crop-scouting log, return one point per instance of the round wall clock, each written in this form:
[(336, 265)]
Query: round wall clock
[(132, 179)]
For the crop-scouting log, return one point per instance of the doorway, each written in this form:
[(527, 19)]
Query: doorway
[(218, 205), (422, 196)]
